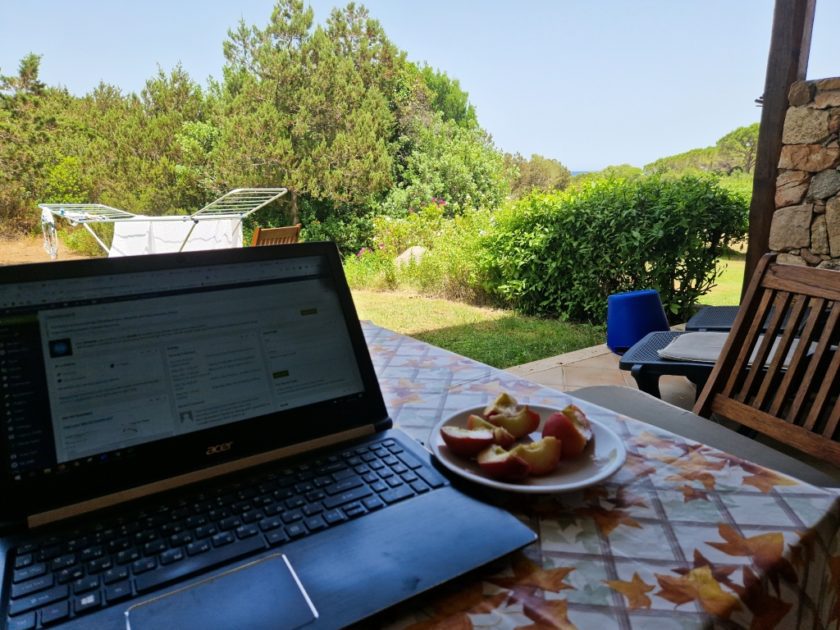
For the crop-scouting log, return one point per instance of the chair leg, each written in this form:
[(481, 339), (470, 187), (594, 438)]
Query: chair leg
[(648, 383)]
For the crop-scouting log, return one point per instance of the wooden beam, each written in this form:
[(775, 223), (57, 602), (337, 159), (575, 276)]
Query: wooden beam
[(790, 45)]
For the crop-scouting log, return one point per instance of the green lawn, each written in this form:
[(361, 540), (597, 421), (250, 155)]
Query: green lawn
[(496, 337), (728, 289)]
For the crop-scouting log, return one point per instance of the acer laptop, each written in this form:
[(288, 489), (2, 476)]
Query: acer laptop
[(199, 441)]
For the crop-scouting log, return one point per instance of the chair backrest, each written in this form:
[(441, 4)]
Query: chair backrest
[(778, 370), (276, 236)]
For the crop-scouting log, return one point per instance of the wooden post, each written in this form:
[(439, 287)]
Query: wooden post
[(790, 45)]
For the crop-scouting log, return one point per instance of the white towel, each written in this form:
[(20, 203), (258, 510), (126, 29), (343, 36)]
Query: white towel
[(705, 347), (145, 236)]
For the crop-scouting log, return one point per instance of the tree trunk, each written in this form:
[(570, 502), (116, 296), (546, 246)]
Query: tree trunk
[(293, 207)]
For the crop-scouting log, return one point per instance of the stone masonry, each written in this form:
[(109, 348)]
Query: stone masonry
[(806, 223)]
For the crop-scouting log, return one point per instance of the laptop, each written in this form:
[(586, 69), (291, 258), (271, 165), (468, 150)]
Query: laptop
[(199, 440)]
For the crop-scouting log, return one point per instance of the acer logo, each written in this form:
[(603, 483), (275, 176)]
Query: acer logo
[(218, 448)]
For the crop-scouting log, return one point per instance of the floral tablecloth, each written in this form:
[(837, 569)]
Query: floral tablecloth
[(683, 536)]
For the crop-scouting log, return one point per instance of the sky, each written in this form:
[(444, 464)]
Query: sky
[(591, 83)]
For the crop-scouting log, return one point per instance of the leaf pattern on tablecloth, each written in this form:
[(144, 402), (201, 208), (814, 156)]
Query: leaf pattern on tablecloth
[(707, 479), (721, 572), (639, 466), (404, 392), (647, 439), (765, 550), (691, 460), (547, 615), (634, 591), (529, 575), (608, 519), (698, 585), (451, 611), (765, 479), (690, 493)]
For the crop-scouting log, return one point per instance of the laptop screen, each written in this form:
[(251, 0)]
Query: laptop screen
[(93, 367)]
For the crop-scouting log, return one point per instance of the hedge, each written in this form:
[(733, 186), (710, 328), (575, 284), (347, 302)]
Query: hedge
[(562, 254)]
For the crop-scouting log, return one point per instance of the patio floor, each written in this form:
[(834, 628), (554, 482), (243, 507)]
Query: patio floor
[(598, 366)]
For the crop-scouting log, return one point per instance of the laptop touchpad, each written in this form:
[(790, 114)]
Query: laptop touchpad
[(261, 594)]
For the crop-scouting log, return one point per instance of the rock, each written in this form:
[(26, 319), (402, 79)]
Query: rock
[(809, 157), (801, 93), (834, 121), (808, 257), (819, 207), (819, 236), (804, 125), (412, 254), (827, 99), (824, 185), (827, 84), (791, 187), (834, 265), (832, 225), (791, 259), (791, 228)]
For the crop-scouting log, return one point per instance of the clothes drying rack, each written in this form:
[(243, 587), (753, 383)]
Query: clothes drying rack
[(236, 204)]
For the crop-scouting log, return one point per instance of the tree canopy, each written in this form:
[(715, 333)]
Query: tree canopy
[(334, 112)]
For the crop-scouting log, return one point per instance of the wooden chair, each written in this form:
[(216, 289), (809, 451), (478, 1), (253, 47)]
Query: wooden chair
[(791, 393), (276, 236)]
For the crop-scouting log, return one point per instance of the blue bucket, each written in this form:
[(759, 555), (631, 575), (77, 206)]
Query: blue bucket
[(632, 315)]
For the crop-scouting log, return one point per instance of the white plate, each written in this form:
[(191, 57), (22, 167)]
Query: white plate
[(604, 455)]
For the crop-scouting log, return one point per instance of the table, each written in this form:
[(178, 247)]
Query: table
[(682, 536), (646, 366), (713, 319)]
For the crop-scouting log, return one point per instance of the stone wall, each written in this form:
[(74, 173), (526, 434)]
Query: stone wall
[(806, 223)]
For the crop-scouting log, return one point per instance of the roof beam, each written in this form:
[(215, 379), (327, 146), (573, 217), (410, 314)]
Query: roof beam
[(790, 46)]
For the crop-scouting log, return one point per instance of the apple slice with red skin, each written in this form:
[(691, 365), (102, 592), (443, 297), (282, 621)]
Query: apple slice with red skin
[(466, 442), (525, 421), (542, 456), (504, 405), (502, 436), (498, 463), (571, 427)]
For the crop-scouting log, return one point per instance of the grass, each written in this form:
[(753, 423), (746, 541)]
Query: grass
[(496, 337), (727, 292)]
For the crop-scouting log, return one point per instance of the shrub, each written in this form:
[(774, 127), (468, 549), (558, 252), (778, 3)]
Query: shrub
[(371, 269), (350, 227), (564, 253), (79, 241), (450, 269)]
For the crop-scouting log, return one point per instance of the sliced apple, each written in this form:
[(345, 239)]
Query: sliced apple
[(466, 442), (498, 463), (502, 436), (504, 405), (542, 456), (571, 427), (522, 423)]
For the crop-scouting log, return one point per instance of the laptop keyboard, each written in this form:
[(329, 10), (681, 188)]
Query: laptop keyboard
[(58, 578)]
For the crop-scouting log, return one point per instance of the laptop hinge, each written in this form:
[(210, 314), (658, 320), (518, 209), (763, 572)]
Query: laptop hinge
[(90, 505), (383, 425)]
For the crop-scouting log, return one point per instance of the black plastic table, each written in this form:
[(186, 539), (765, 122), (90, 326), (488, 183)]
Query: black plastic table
[(646, 366), (713, 319)]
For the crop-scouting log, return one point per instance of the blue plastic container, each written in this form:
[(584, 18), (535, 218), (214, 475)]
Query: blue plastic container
[(632, 315)]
